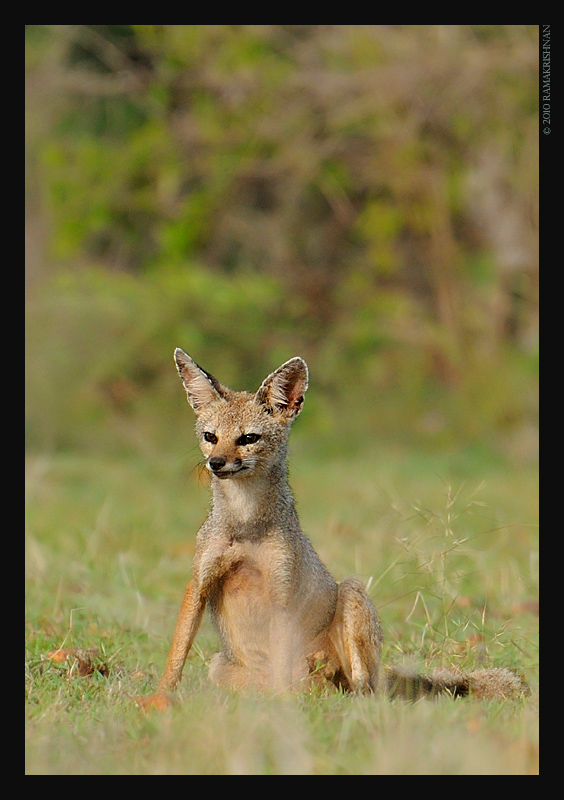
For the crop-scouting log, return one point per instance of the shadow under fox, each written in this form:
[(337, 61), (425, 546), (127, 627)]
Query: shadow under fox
[(281, 618)]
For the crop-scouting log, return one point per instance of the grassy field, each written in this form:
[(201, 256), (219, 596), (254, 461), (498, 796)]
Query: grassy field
[(451, 564)]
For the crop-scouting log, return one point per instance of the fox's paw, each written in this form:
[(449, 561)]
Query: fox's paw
[(161, 701)]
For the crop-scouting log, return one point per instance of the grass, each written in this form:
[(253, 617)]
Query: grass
[(451, 563)]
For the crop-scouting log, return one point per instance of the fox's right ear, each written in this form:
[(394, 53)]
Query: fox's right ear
[(201, 387)]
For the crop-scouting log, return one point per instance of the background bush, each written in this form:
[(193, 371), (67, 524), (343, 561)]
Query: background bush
[(365, 196)]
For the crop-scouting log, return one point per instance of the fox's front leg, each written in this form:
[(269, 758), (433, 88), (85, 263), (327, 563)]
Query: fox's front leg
[(187, 624), (213, 559)]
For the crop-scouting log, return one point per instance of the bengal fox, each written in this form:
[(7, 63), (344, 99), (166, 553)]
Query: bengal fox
[(281, 618)]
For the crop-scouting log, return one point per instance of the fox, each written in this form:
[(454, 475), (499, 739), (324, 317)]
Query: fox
[(282, 620)]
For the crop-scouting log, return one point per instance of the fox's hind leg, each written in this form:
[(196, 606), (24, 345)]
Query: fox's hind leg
[(356, 635)]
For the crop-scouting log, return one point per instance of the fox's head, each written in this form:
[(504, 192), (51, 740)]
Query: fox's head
[(242, 433)]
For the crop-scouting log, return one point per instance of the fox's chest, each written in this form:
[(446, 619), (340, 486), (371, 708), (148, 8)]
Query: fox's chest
[(250, 579), (244, 606)]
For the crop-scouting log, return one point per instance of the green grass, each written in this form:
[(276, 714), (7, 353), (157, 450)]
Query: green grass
[(451, 562)]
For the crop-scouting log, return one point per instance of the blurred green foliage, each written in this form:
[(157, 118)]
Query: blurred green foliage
[(365, 196)]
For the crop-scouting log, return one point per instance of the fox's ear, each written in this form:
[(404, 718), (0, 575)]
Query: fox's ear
[(282, 393), (201, 387)]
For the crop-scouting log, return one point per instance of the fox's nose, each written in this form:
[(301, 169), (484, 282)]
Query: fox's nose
[(216, 463)]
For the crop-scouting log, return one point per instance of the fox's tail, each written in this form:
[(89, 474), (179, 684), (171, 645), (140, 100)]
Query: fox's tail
[(481, 683)]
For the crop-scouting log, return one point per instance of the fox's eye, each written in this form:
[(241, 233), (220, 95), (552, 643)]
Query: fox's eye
[(248, 438), (210, 437)]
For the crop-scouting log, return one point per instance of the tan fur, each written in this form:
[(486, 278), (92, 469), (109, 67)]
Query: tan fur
[(281, 618)]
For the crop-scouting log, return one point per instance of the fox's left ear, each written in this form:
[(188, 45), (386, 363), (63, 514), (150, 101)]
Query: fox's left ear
[(282, 393)]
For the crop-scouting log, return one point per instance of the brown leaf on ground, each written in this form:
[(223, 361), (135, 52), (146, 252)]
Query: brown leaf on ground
[(88, 660)]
